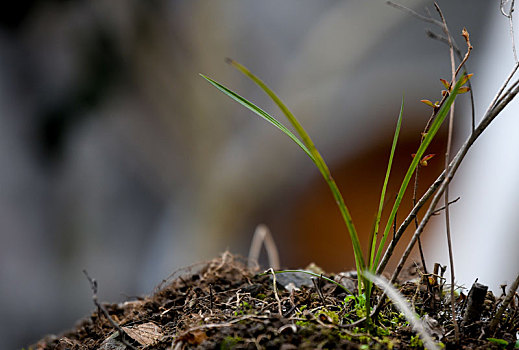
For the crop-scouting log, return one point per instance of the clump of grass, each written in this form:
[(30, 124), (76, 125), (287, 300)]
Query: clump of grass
[(304, 141)]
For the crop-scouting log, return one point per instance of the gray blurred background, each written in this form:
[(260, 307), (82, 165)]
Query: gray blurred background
[(117, 158)]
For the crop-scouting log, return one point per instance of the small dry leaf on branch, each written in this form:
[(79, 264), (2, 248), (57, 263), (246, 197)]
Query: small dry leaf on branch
[(466, 35)]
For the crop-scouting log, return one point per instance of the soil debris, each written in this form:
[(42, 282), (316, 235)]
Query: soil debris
[(225, 305)]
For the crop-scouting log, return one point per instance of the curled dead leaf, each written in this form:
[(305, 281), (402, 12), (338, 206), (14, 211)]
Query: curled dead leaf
[(145, 334)]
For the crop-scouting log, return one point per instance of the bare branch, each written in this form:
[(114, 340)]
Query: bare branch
[(447, 156), (428, 18), (510, 21), (122, 333), (443, 208), (275, 287), (504, 305), (262, 236)]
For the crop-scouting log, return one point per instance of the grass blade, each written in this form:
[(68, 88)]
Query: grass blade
[(259, 112), (317, 158), (323, 168), (384, 188), (435, 126), (288, 114)]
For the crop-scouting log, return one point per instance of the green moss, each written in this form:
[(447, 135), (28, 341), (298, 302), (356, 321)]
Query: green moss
[(332, 316), (243, 309), (501, 342), (230, 342), (416, 341)]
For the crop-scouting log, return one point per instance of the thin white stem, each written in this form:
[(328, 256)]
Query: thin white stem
[(400, 302)]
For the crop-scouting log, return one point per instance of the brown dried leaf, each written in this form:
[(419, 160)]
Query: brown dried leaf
[(194, 337), (145, 334)]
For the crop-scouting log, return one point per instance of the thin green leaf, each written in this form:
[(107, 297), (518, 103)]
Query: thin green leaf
[(289, 115), (435, 126), (384, 186), (259, 112), (318, 160)]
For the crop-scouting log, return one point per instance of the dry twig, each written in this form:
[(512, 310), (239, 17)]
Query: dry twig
[(123, 334), (510, 21), (274, 283), (262, 236), (504, 305), (447, 156)]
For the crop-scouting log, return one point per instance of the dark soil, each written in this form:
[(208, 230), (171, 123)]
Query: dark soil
[(225, 305)]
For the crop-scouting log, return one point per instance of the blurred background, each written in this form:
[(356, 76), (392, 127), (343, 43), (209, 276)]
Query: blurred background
[(118, 158)]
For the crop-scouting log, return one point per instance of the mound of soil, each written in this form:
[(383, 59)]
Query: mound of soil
[(225, 305)]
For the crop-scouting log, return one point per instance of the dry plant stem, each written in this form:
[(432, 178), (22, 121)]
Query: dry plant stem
[(435, 36), (262, 236), (93, 285), (415, 189), (216, 325), (465, 35), (504, 305), (447, 156), (510, 20), (420, 249), (437, 211), (448, 41), (499, 95), (274, 283), (427, 19)]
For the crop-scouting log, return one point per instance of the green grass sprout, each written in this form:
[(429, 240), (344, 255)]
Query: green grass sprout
[(259, 112), (384, 187), (316, 158), (306, 144), (310, 149)]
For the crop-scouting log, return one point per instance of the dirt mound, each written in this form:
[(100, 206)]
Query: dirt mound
[(225, 305)]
